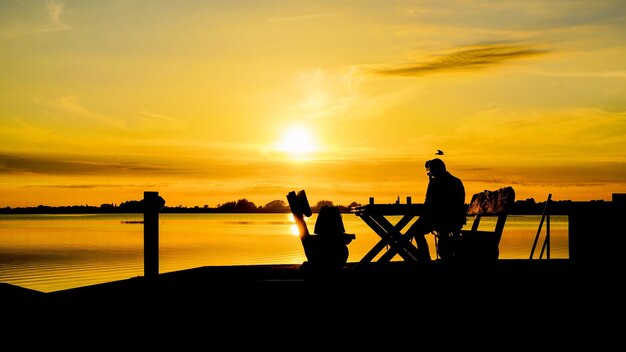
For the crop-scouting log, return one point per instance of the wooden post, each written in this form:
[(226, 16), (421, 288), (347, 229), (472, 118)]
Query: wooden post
[(152, 205), (544, 215), (619, 200), (592, 235)]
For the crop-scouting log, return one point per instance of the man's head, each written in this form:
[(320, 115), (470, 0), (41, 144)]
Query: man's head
[(435, 167)]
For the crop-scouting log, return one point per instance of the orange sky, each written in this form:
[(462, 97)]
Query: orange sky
[(210, 102)]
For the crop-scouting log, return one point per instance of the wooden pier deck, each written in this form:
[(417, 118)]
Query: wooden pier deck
[(378, 300), (588, 281), (259, 284)]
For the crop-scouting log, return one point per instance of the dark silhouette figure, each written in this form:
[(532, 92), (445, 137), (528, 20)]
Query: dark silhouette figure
[(327, 248), (444, 207), (439, 152)]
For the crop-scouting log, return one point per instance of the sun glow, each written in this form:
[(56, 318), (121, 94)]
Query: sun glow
[(294, 230), (294, 227), (297, 142)]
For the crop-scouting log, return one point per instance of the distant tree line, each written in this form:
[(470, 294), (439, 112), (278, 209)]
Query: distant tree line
[(526, 207), (136, 206)]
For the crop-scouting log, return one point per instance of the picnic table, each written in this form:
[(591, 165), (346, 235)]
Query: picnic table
[(379, 218)]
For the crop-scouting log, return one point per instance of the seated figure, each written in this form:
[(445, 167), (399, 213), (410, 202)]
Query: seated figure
[(327, 248)]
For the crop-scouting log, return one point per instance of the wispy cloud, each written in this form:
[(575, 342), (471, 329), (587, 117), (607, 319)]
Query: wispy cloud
[(71, 106), (303, 17), (159, 120), (63, 165), (326, 94), (581, 135), (55, 9), (145, 185), (33, 17), (585, 74), (330, 94), (472, 57)]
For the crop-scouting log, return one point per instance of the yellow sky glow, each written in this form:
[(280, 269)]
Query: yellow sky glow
[(208, 103)]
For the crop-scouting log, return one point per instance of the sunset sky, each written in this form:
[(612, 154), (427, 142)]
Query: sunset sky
[(208, 102)]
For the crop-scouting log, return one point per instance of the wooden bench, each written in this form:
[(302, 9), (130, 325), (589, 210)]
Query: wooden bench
[(477, 244)]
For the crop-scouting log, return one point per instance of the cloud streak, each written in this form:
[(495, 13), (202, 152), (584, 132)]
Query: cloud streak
[(303, 18), (70, 106), (22, 18), (55, 11), (57, 165), (473, 57)]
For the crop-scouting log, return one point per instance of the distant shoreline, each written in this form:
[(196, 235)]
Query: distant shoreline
[(525, 207)]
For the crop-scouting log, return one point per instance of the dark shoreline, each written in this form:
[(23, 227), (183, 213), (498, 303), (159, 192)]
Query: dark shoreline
[(520, 207)]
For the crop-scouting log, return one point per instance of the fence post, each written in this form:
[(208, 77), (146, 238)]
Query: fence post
[(152, 205), (592, 235)]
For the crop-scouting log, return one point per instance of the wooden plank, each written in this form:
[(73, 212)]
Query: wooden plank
[(389, 209)]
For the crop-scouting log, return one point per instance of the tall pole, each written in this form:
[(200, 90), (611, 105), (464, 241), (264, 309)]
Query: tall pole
[(152, 205), (543, 216)]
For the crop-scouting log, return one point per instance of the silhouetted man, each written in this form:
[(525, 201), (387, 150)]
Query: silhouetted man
[(444, 207)]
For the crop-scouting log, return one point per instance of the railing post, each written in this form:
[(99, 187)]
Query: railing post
[(544, 215), (152, 205), (592, 235)]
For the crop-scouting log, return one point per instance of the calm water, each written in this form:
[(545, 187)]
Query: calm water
[(54, 252)]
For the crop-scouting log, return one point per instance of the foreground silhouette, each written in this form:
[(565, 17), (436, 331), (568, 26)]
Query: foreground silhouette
[(444, 208), (327, 249)]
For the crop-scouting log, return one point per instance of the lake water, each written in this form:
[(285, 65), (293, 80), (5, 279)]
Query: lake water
[(55, 252)]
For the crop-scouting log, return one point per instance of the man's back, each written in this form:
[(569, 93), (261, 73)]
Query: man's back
[(445, 201), (444, 207)]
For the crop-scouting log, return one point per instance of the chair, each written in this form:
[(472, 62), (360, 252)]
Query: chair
[(477, 245), (327, 248)]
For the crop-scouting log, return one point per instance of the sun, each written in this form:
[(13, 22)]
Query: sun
[(297, 142)]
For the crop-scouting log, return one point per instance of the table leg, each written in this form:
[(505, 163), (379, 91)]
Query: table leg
[(390, 236), (404, 246)]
